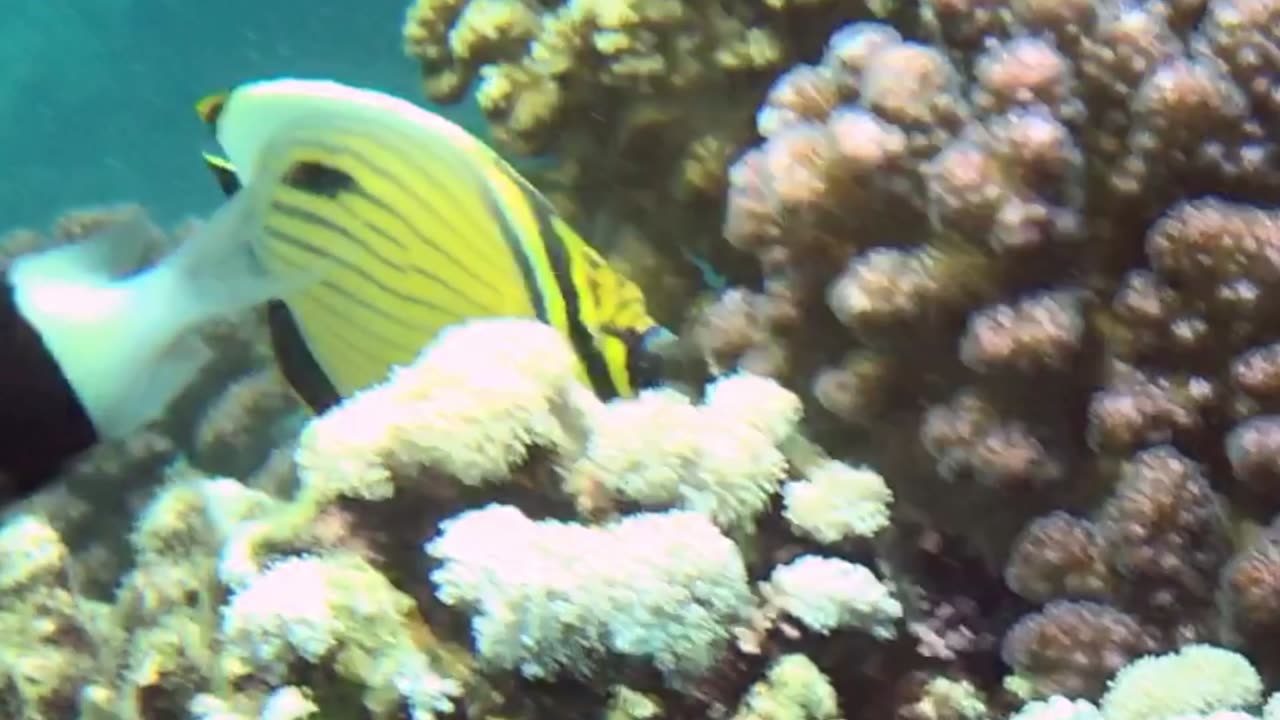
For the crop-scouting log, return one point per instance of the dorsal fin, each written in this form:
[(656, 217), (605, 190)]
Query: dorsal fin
[(210, 107)]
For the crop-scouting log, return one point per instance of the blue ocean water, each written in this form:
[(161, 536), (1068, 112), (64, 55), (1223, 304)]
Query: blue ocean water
[(96, 96)]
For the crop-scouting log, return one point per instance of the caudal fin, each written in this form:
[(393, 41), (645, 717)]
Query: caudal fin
[(128, 346)]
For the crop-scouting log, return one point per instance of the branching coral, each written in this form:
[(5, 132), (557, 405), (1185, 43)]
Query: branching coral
[(176, 638), (793, 689), (550, 598), (42, 664), (827, 594), (538, 66), (1073, 648), (339, 613), (1196, 679), (1023, 256), (1154, 548), (1250, 596), (476, 421), (984, 226), (242, 603)]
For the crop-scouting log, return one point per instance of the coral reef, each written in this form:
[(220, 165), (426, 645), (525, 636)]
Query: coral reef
[(1021, 260), (993, 240), (994, 431), (241, 603)]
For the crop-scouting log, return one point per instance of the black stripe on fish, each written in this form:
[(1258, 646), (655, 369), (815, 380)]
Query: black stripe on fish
[(360, 273), (355, 227), (441, 192), (580, 336), (516, 246)]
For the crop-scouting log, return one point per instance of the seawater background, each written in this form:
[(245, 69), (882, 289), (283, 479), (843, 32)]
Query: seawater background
[(96, 95)]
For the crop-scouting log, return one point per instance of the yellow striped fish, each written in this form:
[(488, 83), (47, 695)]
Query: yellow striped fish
[(381, 223)]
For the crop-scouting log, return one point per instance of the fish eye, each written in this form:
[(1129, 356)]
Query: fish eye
[(318, 178)]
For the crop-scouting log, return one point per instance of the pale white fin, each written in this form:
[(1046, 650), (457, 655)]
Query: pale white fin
[(117, 250), (128, 346)]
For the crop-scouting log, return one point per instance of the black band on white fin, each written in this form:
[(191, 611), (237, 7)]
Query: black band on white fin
[(42, 422)]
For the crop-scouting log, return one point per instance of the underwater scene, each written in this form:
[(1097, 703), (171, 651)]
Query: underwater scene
[(640, 360)]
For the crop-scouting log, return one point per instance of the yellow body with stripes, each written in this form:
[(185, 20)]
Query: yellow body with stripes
[(384, 236)]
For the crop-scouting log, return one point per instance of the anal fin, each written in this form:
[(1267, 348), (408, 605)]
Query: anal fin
[(296, 362)]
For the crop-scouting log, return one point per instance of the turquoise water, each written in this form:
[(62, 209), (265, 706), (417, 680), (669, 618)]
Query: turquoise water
[(96, 95)]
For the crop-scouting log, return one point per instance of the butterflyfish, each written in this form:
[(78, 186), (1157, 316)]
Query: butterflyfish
[(364, 223)]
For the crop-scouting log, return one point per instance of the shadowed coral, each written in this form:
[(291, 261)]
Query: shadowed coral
[(1250, 595), (229, 436), (168, 602), (1040, 334), (944, 698), (1165, 534), (1153, 549), (1058, 555), (1253, 449), (1073, 648), (794, 688), (49, 642)]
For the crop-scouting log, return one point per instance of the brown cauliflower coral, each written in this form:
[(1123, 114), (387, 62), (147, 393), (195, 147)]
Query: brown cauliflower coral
[(1025, 254), (1014, 240)]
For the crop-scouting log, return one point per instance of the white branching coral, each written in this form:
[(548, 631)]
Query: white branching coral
[(1197, 679), (722, 458), (472, 406), (193, 517), (285, 703), (827, 594), (548, 597), (1058, 707), (339, 611), (837, 501), (481, 397), (793, 689), (726, 459), (34, 555)]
